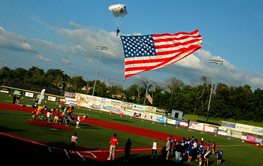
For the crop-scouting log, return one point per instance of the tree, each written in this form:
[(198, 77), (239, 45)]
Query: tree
[(57, 78), (4, 74), (174, 85), (132, 93), (36, 76), (115, 91), (76, 83)]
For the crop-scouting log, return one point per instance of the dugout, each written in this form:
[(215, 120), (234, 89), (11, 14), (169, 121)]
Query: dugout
[(176, 114)]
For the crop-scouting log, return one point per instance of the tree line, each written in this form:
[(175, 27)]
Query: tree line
[(240, 103)]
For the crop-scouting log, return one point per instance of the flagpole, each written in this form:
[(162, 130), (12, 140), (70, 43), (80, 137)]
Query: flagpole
[(145, 95)]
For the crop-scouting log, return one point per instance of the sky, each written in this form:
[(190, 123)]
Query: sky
[(67, 35)]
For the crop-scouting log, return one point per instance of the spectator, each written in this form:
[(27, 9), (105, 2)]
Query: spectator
[(168, 148), (178, 150), (213, 147), (14, 99), (48, 115), (219, 156), (207, 153)]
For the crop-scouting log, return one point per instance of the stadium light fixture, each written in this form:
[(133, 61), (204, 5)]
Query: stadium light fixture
[(217, 62), (100, 48)]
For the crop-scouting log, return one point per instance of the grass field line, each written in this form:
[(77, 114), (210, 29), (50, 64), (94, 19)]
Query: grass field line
[(66, 152), (89, 152), (81, 156), (22, 139), (118, 150)]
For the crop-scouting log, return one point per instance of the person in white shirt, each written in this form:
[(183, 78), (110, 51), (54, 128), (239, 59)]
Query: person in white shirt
[(154, 149)]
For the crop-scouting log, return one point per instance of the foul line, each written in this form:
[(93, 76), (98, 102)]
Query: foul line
[(22, 139)]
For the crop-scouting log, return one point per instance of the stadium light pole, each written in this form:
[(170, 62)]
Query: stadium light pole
[(217, 62), (100, 48)]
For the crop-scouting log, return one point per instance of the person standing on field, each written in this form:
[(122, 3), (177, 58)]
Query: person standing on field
[(154, 149), (73, 142), (113, 144)]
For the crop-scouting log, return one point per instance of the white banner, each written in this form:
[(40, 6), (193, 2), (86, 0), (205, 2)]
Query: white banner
[(29, 94), (51, 98), (196, 126), (71, 101)]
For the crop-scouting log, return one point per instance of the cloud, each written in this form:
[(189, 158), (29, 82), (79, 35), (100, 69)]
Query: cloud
[(81, 45), (25, 46), (43, 58), (2, 29), (199, 64)]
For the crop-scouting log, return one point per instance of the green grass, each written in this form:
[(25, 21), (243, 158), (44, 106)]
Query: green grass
[(235, 152)]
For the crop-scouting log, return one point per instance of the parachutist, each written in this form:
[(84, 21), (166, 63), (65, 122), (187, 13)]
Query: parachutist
[(117, 32)]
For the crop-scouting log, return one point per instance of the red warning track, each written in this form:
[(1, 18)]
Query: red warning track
[(130, 129)]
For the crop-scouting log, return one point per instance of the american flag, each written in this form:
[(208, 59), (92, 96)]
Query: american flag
[(150, 52), (148, 96)]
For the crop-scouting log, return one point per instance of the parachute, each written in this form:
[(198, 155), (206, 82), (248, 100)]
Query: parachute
[(118, 10)]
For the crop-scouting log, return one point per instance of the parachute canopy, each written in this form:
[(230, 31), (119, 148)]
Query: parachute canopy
[(118, 10)]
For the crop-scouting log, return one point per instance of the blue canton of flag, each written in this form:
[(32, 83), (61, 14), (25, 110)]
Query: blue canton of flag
[(135, 46)]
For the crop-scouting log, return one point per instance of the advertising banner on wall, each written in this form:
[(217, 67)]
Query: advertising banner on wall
[(149, 109), (116, 102), (69, 94), (137, 107), (4, 90), (222, 131), (228, 124), (183, 124), (259, 140), (51, 98), (196, 125), (82, 100), (117, 110), (129, 112), (160, 111), (126, 105), (17, 92), (236, 134), (29, 94), (71, 101), (148, 117), (171, 121), (249, 129), (251, 138), (210, 128), (62, 100), (161, 119)]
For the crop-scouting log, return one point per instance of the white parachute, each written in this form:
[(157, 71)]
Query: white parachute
[(118, 10)]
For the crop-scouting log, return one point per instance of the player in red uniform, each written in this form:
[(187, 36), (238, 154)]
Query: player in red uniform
[(113, 143)]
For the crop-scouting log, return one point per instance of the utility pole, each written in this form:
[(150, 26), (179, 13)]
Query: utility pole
[(101, 48)]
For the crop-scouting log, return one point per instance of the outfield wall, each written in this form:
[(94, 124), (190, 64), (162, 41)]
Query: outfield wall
[(245, 132)]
